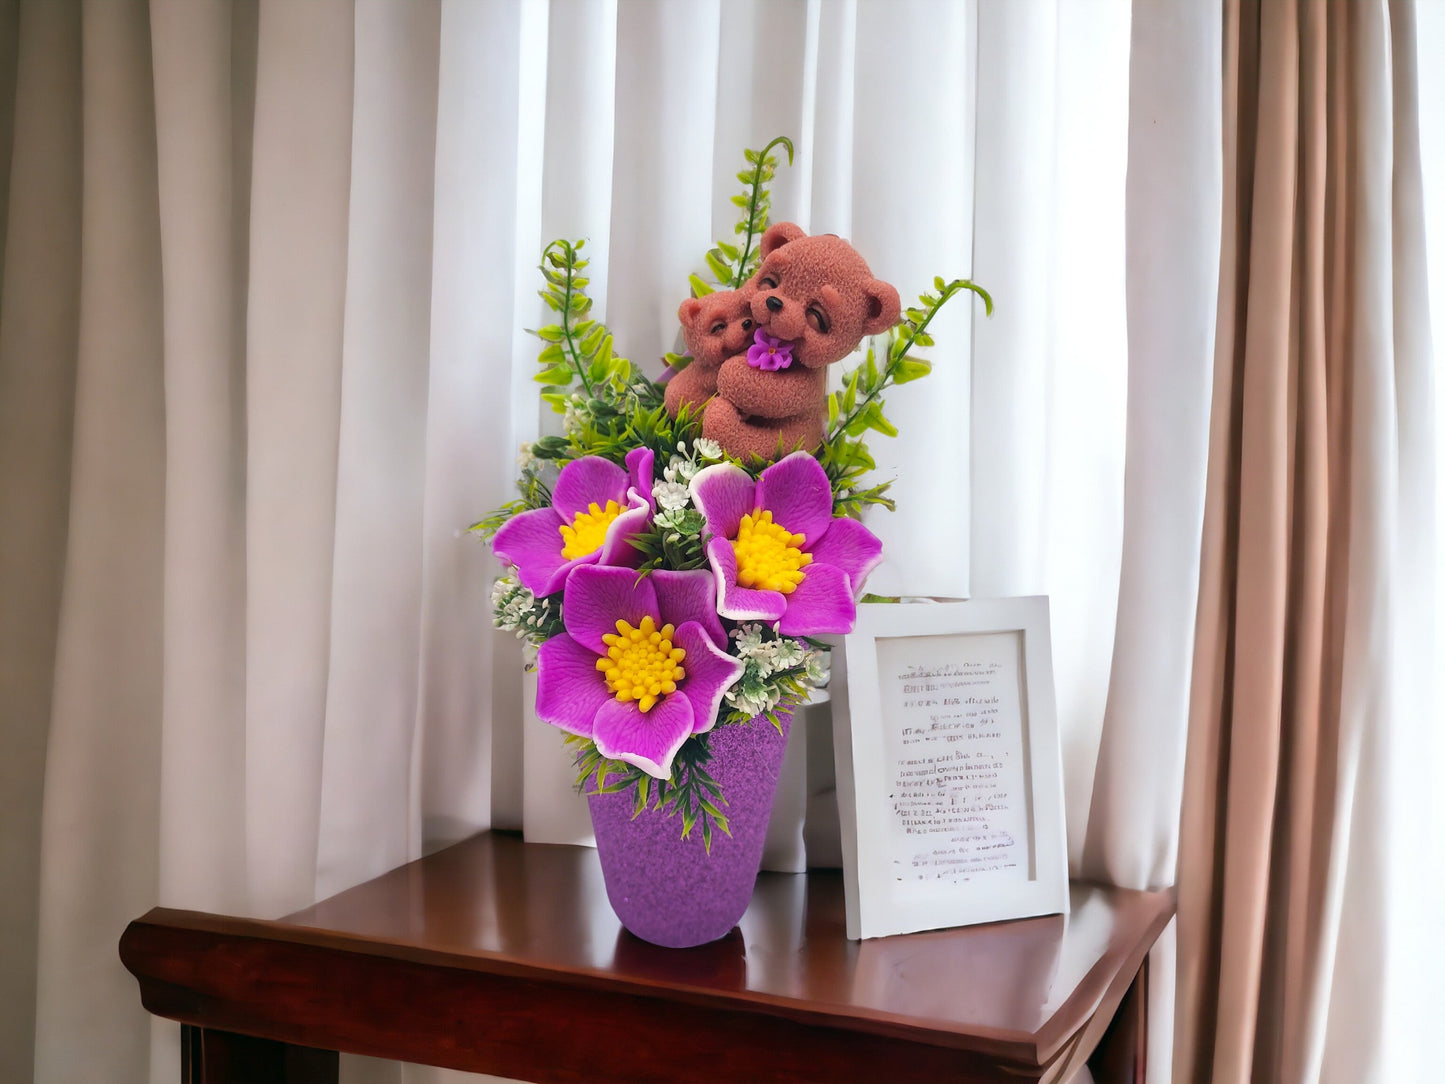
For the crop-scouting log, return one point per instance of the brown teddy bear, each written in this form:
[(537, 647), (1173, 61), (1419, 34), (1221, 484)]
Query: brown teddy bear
[(715, 328), (813, 301)]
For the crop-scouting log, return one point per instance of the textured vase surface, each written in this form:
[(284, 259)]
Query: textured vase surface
[(670, 890)]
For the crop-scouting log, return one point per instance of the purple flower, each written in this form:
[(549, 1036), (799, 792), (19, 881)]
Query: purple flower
[(777, 551), (641, 667), (769, 353), (596, 507)]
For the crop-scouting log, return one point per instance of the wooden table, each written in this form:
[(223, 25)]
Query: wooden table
[(504, 957)]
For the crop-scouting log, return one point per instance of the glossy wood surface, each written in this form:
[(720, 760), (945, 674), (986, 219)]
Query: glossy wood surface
[(504, 956)]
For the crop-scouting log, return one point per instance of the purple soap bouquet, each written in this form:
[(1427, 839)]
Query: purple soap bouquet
[(671, 590)]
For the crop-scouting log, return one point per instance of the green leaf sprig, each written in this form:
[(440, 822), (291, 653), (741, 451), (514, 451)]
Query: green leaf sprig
[(577, 346), (858, 407), (535, 493), (732, 265)]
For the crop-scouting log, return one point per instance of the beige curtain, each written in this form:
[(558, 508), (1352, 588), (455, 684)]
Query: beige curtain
[(1311, 660)]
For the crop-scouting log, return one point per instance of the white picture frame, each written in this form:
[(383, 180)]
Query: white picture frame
[(949, 766)]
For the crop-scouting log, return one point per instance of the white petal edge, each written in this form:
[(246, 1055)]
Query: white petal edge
[(738, 667)]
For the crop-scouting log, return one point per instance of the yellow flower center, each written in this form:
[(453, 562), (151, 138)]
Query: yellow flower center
[(588, 530), (641, 663), (769, 558)]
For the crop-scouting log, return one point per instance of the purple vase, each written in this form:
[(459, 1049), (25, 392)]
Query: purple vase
[(670, 890)]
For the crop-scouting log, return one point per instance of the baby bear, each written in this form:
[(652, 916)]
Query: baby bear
[(715, 328)]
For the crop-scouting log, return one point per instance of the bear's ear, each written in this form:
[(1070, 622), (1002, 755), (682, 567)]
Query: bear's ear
[(883, 307), (778, 235), (688, 310)]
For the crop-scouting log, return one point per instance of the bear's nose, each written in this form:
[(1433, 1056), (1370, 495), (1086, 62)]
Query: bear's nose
[(775, 304)]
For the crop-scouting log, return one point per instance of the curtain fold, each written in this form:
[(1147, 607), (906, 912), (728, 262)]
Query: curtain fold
[(1172, 234), (1311, 663), (204, 57), (369, 822), (39, 331), (300, 193), (100, 821), (1049, 370), (469, 428)]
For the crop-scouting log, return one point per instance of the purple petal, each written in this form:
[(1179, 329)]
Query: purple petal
[(710, 673), (598, 596), (532, 542), (639, 473), (586, 480), (570, 688), (737, 602), (689, 596), (650, 739), (616, 547), (797, 491), (723, 493), (558, 579), (822, 604), (850, 546)]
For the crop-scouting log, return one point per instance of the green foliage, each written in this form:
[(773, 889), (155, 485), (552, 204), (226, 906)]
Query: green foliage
[(732, 265), (516, 609), (690, 791), (858, 408), (615, 424), (576, 347), (535, 493), (789, 687), (676, 542)]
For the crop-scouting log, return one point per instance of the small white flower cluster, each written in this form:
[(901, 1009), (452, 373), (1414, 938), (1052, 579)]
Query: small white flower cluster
[(526, 461), (816, 668), (754, 693), (671, 496), (770, 655), (515, 609), (709, 451), (574, 414), (752, 696), (671, 492)]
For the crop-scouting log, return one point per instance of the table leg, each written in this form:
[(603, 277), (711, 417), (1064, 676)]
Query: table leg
[(1122, 1053), (209, 1056)]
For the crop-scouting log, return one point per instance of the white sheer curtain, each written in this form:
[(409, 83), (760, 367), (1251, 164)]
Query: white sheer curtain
[(266, 270), (1418, 945)]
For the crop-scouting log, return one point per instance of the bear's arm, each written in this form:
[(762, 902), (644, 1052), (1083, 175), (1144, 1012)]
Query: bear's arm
[(693, 386), (763, 394)]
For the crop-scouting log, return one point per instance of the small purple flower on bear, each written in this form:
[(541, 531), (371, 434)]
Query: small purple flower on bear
[(642, 666), (769, 353), (778, 552), (597, 507)]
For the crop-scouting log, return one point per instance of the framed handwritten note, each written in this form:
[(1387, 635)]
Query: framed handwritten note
[(950, 780)]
